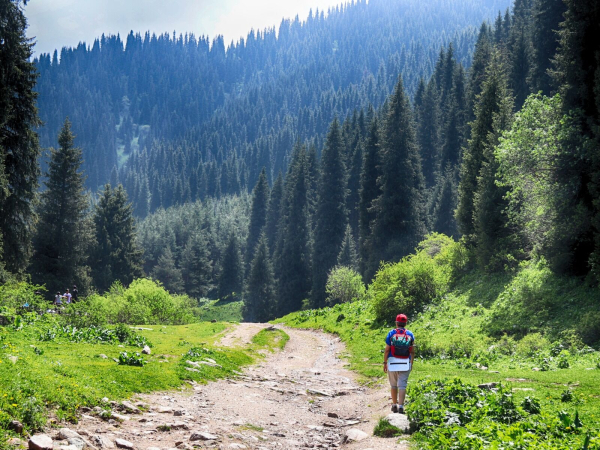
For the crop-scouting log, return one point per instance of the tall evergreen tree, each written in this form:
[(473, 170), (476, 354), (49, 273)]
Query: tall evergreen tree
[(330, 217), (64, 233), (231, 277), (399, 222), (428, 133), (116, 256), (353, 197), (443, 215), (168, 273), (260, 296), (197, 266), (274, 212), (19, 149), (348, 256), (369, 192), (481, 59), (488, 106), (258, 215), (293, 256)]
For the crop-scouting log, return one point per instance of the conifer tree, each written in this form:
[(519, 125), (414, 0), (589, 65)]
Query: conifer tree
[(258, 214), (481, 59), (231, 276), (293, 257), (116, 256), (330, 217), (196, 266), (443, 215), (167, 273), (353, 197), (259, 296), (274, 212), (64, 233), (369, 192), (428, 133), (19, 149), (348, 256), (488, 106), (399, 222)]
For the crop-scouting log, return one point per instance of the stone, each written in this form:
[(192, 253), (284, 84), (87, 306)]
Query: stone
[(15, 442), (332, 414), (191, 369), (122, 443), (146, 350), (103, 356), (153, 448), (355, 435), (400, 421), (164, 409), (488, 386), (179, 426), (40, 442), (119, 417), (13, 359), (16, 426), (236, 445), (178, 413), (130, 408), (77, 442), (102, 442), (66, 433), (104, 399), (203, 436)]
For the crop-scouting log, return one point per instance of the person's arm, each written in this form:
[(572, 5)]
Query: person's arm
[(386, 355)]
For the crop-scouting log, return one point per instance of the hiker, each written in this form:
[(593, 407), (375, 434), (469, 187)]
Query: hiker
[(75, 294), (398, 358), (58, 299), (67, 297)]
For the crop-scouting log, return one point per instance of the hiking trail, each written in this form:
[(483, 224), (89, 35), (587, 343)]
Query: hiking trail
[(299, 398)]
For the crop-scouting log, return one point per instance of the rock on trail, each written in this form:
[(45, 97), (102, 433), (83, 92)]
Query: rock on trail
[(299, 398)]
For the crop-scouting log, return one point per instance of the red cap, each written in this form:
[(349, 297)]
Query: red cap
[(401, 318)]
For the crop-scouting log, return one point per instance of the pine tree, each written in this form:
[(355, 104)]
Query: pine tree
[(481, 59), (259, 295), (488, 106), (196, 266), (399, 222), (353, 198), (258, 215), (231, 276), (369, 192), (443, 215), (167, 273), (348, 256), (293, 256), (19, 149), (330, 217), (64, 233), (116, 256), (428, 133)]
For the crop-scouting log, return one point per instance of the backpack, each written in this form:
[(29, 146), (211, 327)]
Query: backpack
[(401, 343)]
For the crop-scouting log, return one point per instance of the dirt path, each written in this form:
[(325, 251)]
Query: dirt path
[(301, 397)]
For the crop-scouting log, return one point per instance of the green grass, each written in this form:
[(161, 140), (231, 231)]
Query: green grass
[(452, 342), (221, 311), (385, 429), (271, 339)]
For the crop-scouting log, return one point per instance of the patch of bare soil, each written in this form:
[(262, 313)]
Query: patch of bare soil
[(298, 398)]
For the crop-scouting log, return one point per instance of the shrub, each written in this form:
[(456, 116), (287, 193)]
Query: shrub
[(531, 345), (344, 285), (414, 282)]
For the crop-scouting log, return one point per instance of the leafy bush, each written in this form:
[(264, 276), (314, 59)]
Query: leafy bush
[(143, 302), (131, 360), (344, 285), (531, 345), (414, 282), (14, 295)]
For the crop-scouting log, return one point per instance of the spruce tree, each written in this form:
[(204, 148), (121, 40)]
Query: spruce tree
[(428, 133), (348, 256), (168, 273), (231, 276), (488, 105), (259, 295), (258, 214), (353, 197), (369, 192), (116, 256), (443, 215), (330, 217), (19, 149), (481, 59), (274, 212), (64, 232), (399, 222), (293, 256), (196, 266)]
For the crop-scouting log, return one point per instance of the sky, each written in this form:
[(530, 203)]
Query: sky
[(64, 23)]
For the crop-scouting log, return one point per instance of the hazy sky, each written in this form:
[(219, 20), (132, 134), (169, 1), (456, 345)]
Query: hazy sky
[(59, 23)]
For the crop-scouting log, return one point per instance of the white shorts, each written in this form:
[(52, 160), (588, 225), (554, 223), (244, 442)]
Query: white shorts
[(398, 379)]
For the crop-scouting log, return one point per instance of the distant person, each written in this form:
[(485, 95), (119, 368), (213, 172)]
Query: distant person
[(75, 294), (398, 359), (58, 299), (67, 296)]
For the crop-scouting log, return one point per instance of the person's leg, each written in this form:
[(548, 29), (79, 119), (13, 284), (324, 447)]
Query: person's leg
[(393, 378), (394, 393), (402, 382), (401, 396)]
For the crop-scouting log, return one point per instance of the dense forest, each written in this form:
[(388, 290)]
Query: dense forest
[(341, 141)]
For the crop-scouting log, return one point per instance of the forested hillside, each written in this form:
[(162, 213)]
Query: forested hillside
[(180, 118)]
